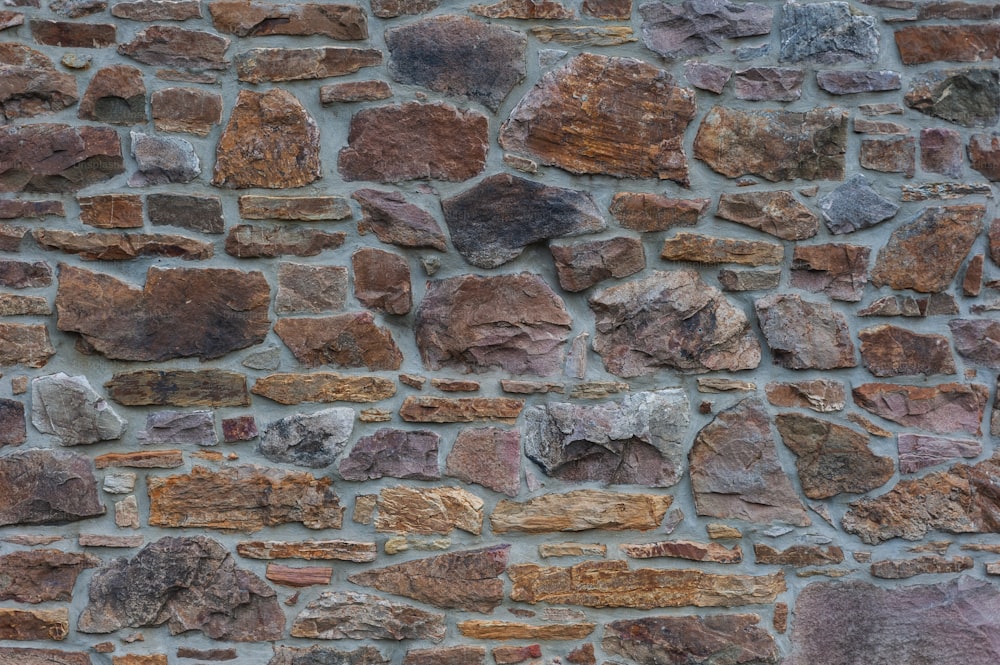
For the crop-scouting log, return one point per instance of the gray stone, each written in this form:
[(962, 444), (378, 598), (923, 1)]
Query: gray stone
[(968, 97), (698, 27), (779, 84), (394, 453), (162, 160), (840, 82), (13, 429), (120, 482), (804, 334), (337, 615), (749, 280), (313, 440), (69, 408), (320, 655), (47, 487), (179, 428), (707, 76), (197, 213), (855, 205), (827, 32)]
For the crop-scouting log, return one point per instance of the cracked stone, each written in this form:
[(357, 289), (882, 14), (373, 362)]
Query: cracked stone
[(43, 157), (116, 95), (30, 85), (345, 340), (968, 97), (838, 270), (777, 213), (944, 408), (893, 351), (828, 33), (47, 487)]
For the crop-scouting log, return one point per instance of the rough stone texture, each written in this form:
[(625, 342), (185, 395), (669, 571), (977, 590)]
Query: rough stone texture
[(984, 155), (323, 387), (170, 46), (25, 344), (778, 84), (749, 280), (73, 34), (777, 213), (604, 115), (439, 510), (195, 213), (828, 33), (729, 638), (583, 264), (116, 95), (967, 97), (31, 85), (840, 82), (395, 221), (487, 456), (294, 208), (509, 630), (893, 351), (460, 410), (261, 65), (942, 409), (122, 247), (581, 510), (337, 615), (188, 110), (918, 451), (804, 334), (941, 151), (312, 440), (16, 624), (395, 453), (111, 211), (641, 211), (35, 576), (382, 281), (354, 91), (921, 44), (838, 270), (684, 549), (707, 76), (179, 428), (178, 388), (890, 155), (70, 409), (157, 10), (321, 655), (854, 206), (699, 28), (584, 35), (19, 209), (524, 9), (897, 569), (162, 159), (346, 340), (57, 158), (13, 431), (23, 656), (340, 550), (975, 340), (47, 487), (798, 555), (253, 19), (822, 395), (310, 289)]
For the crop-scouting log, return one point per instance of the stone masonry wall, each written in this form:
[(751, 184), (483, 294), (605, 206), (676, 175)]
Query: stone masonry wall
[(423, 332)]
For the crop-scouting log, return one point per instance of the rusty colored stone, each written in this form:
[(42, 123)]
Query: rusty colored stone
[(246, 241), (734, 639), (897, 569), (57, 158), (822, 395), (778, 213), (920, 44), (584, 35), (169, 46), (546, 550), (968, 97), (944, 408), (581, 510), (188, 110), (47, 487), (804, 334), (584, 264), (336, 615), (273, 65), (35, 576), (514, 655), (73, 34), (30, 85), (259, 19), (294, 208), (460, 410), (210, 387), (323, 387), (240, 428), (972, 281), (984, 155), (393, 220), (839, 270), (440, 510), (157, 10), (797, 556), (345, 340), (394, 8), (310, 550), (18, 624), (508, 630), (684, 549), (890, 155), (146, 459), (116, 95), (941, 151), (111, 211), (19, 209), (298, 576), (354, 91), (698, 248), (641, 211), (446, 656), (865, 126), (382, 281), (455, 385), (893, 351), (122, 246)]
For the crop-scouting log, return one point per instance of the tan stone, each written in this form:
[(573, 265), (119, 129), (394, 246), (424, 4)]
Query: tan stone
[(25, 344), (346, 340), (455, 385), (101, 540), (354, 91), (259, 19), (425, 510), (210, 387), (718, 531), (295, 208), (18, 624), (460, 409), (12, 304), (898, 569), (510, 630), (547, 550), (339, 615), (122, 246), (684, 549), (518, 387), (111, 211), (613, 35), (797, 555), (642, 211), (323, 387), (145, 459), (272, 65), (310, 550), (581, 510), (140, 659), (822, 395), (698, 248), (364, 508), (127, 513)]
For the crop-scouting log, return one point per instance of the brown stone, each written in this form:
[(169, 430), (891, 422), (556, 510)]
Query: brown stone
[(973, 339), (246, 241), (145, 459), (99, 540), (831, 458), (641, 211), (310, 550), (111, 211), (179, 387), (157, 10), (30, 85), (169, 46), (509, 630), (917, 451), (809, 145), (696, 248), (941, 151), (240, 428), (943, 190), (921, 44), (12, 423), (584, 264), (259, 19), (339, 615), (47, 487), (893, 351), (122, 246), (294, 208), (455, 385), (897, 569), (10, 19), (972, 281), (196, 213), (797, 556), (20, 656), (838, 270), (393, 453), (822, 395), (298, 576), (984, 155), (609, 10), (581, 510), (446, 656), (243, 498), (749, 280), (514, 655), (440, 510), (57, 158), (346, 340), (25, 344), (354, 91), (546, 550), (285, 139), (73, 34), (116, 95), (460, 409), (890, 155), (524, 9), (188, 110), (18, 209), (38, 575), (584, 35), (613, 584), (18, 624), (24, 275), (734, 639), (323, 387), (366, 655), (382, 281), (415, 141), (720, 385), (804, 334), (261, 65), (944, 408), (777, 213), (530, 387), (311, 289), (140, 659), (393, 220), (604, 115), (865, 126), (11, 237), (684, 549), (487, 456), (598, 389)]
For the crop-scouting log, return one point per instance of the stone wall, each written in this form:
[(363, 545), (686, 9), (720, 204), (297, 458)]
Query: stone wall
[(418, 332)]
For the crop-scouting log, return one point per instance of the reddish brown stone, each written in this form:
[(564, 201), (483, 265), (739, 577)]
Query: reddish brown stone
[(196, 213), (18, 624), (25, 344), (354, 91), (24, 275), (294, 208), (116, 95), (684, 549), (890, 155), (972, 282), (157, 10), (640, 211), (394, 8), (57, 158), (525, 9), (11, 237), (699, 248), (509, 630), (393, 220), (728, 638), (797, 556), (240, 428), (952, 43), (609, 10), (246, 241), (72, 34), (187, 110), (415, 141), (984, 155), (393, 453), (179, 387), (146, 459), (12, 423), (941, 151), (864, 126), (17, 209), (707, 76), (311, 289), (382, 281), (38, 575), (261, 65), (460, 410), (804, 334), (840, 82), (581, 265), (604, 115), (487, 456), (515, 655), (777, 213), (455, 385), (298, 576), (840, 271), (111, 211), (446, 656), (346, 340), (944, 408), (892, 351), (10, 19), (30, 84), (47, 487), (917, 451), (168, 46), (122, 246), (822, 395), (258, 19)]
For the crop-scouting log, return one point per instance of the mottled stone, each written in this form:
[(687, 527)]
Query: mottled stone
[(258, 19), (13, 429), (831, 458), (248, 241), (893, 351), (838, 270), (778, 213), (382, 281), (394, 220), (20, 209), (460, 410), (354, 91), (921, 44), (890, 155), (509, 630), (25, 344), (604, 115), (673, 304), (941, 151), (162, 159), (642, 211), (749, 280), (294, 208), (779, 84), (968, 97), (984, 155), (866, 126), (9, 19), (313, 440), (100, 540), (944, 408), (511, 655), (262, 65), (975, 339), (828, 33), (707, 76), (804, 334), (323, 387), (16, 624), (36, 576), (411, 455), (115, 95), (684, 549), (196, 213), (30, 85), (21, 656), (209, 387), (487, 456), (73, 34), (840, 82), (855, 205), (145, 459), (122, 246), (584, 264), (188, 110), (821, 395), (581, 510), (299, 576), (440, 510), (310, 550), (446, 655), (345, 340), (734, 639), (284, 136), (699, 28), (338, 615), (111, 211), (926, 253), (71, 410), (797, 555), (584, 35), (178, 428), (415, 141), (169, 46), (546, 550), (525, 9), (321, 655), (735, 472), (157, 10), (310, 289), (917, 451), (897, 569), (57, 158), (47, 487)]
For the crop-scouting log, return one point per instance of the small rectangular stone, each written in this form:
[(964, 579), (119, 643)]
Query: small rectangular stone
[(945, 191), (140, 659), (354, 91), (12, 304), (641, 211), (519, 387), (510, 630), (294, 208), (696, 248), (145, 459), (840, 82), (72, 34), (11, 237), (460, 410), (207, 654), (188, 110), (890, 155), (881, 109), (584, 35), (18, 209), (111, 211), (717, 531), (455, 385), (714, 385), (797, 555), (296, 576), (21, 656), (921, 44), (210, 387), (195, 213), (581, 510), (898, 569), (259, 19), (337, 550), (516, 655), (446, 656), (25, 274), (547, 550), (749, 280), (323, 387), (865, 126), (18, 624)]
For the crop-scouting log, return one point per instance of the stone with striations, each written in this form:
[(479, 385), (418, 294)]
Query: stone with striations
[(345, 340), (246, 241), (804, 334), (310, 550), (821, 395), (145, 459), (310, 289), (169, 46), (73, 34), (984, 155), (854, 206), (642, 211), (116, 95), (338, 615), (749, 280), (122, 246), (44, 157), (684, 549), (734, 639), (260, 19), (425, 511), (778, 84), (111, 211), (698, 248), (797, 555), (323, 387), (445, 656), (584, 35), (294, 208), (20, 209), (700, 27), (919, 451), (941, 151), (487, 456), (828, 33), (841, 82), (410, 455), (30, 85), (320, 655), (382, 281), (179, 387), (395, 221), (179, 428), (71, 410), (944, 408), (967, 97), (47, 487), (509, 630), (188, 110), (25, 344), (894, 351), (778, 213), (162, 159), (21, 656), (12, 304), (271, 65), (312, 440), (35, 576), (975, 339), (196, 213), (394, 8), (581, 510), (898, 569), (838, 270), (77, 8), (582, 265), (157, 10)]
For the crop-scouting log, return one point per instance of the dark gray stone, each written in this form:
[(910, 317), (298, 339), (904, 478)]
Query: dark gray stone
[(312, 440), (855, 205), (967, 97), (162, 160), (197, 213), (827, 32), (698, 27)]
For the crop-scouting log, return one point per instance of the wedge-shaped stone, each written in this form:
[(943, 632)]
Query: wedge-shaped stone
[(27, 625), (25, 344), (169, 46), (34, 576), (122, 246), (20, 656), (967, 97), (777, 213), (697, 248), (581, 510), (605, 115), (700, 28), (797, 555), (209, 387), (421, 510), (468, 580), (804, 334), (181, 312), (339, 615), (30, 85), (45, 157), (510, 630), (613, 584), (684, 549), (323, 387), (394, 453), (189, 583), (47, 487), (460, 409), (71, 410), (310, 550), (974, 340), (394, 220), (944, 408), (321, 655), (260, 19), (346, 340), (893, 351), (243, 498), (273, 65), (734, 639)]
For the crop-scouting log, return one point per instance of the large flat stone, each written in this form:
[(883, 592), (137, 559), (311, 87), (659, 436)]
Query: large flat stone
[(942, 409), (246, 241), (47, 487), (487, 456), (396, 221), (460, 409), (45, 157), (338, 615), (661, 640), (778, 213), (345, 340), (920, 44), (425, 511), (919, 451), (71, 410), (260, 19), (827, 32), (122, 246), (975, 339), (323, 387), (170, 46), (210, 387), (581, 265), (894, 351), (803, 334), (274, 65), (581, 510), (700, 28), (836, 269), (395, 453), (35, 576)]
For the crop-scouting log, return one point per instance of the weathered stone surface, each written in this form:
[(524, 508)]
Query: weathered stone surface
[(34, 576), (838, 270), (684, 549), (246, 241), (207, 654), (896, 155), (411, 510), (524, 9), (699, 28), (523, 331), (11, 237), (9, 19), (897, 569), (394, 8), (944, 190), (209, 387), (382, 281), (487, 456), (310, 289), (749, 280), (809, 145), (284, 136), (584, 35), (546, 550), (984, 155), (30, 85), (707, 76), (261, 65), (310, 550), (731, 638), (116, 95), (459, 57), (187, 110), (197, 213), (926, 253), (609, 10), (100, 540), (122, 246), (345, 340), (921, 44), (70, 409), (936, 304), (941, 151), (20, 209), (73, 34), (179, 427), (240, 428), (415, 141), (460, 410), (797, 555), (25, 344), (604, 115), (20, 656), (468, 580), (972, 281), (780, 84), (13, 429), (827, 32), (169, 46), (735, 472), (299, 576), (917, 451), (778, 213), (508, 630), (26, 625), (492, 223), (944, 408), (673, 304), (804, 334), (975, 339), (323, 387), (111, 211), (181, 312), (162, 159), (968, 97), (57, 158), (313, 440), (243, 498), (157, 10), (840, 82), (395, 453), (354, 91), (855, 205), (145, 459), (47, 487), (638, 440), (866, 126), (612, 584), (831, 458), (394, 220), (822, 395), (583, 264), (338, 615), (642, 211), (294, 208), (258, 19), (446, 655), (455, 385), (581, 510), (320, 655), (893, 351)]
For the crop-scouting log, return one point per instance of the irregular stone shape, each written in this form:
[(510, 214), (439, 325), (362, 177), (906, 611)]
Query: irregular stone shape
[(320, 655), (323, 387), (523, 331), (641, 211), (926, 254), (604, 115), (345, 340), (187, 110), (243, 498), (394, 8), (941, 151), (699, 28), (73, 34), (612, 584), (684, 549), (25, 344), (57, 158), (487, 456), (797, 555), (445, 655), (311, 289), (47, 487), (583, 264), (285, 139), (260, 65), (69, 408), (855, 205), (839, 270), (673, 304), (189, 583), (111, 211), (777, 213), (169, 46), (804, 334), (707, 76), (18, 624), (827, 32), (524, 9), (809, 145), (729, 638), (382, 281), (340, 550), (459, 57), (581, 510), (246, 241), (897, 569), (10, 19), (312, 440), (393, 220), (122, 246), (415, 141), (975, 339), (917, 451), (354, 91), (35, 576), (181, 312), (116, 95), (921, 44), (30, 85), (948, 407), (468, 580), (162, 159), (890, 155), (338, 615), (394, 453), (968, 97), (179, 427), (636, 441), (840, 82), (460, 410), (508, 630), (258, 19), (697, 248), (146, 459), (294, 208), (440, 510), (780, 84), (13, 429), (831, 458), (197, 213), (984, 155), (822, 395), (893, 351), (20, 656), (492, 223), (157, 10), (210, 387)]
